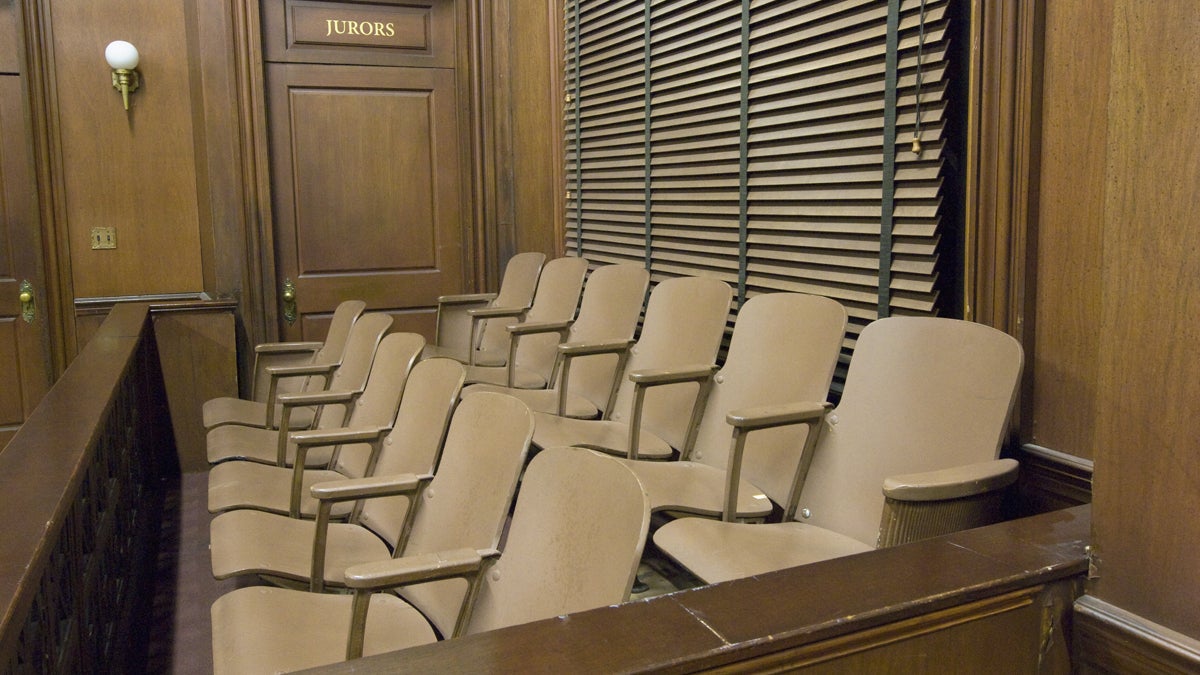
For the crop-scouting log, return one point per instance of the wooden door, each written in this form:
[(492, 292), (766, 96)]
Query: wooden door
[(366, 175), (25, 368)]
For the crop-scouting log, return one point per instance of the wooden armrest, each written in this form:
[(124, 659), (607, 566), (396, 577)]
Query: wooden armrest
[(336, 436), (287, 347), (589, 348), (493, 312), (657, 376), (296, 371), (371, 486), (316, 398), (540, 327), (767, 416), (954, 483), (465, 298), (416, 569)]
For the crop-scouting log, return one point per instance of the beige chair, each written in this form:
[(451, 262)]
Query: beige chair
[(554, 302), (454, 338), (559, 558), (426, 397), (608, 314), (333, 405), (910, 452), (464, 503), (284, 368), (667, 373), (783, 350)]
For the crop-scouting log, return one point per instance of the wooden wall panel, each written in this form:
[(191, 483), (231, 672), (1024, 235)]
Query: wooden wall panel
[(1147, 480), (136, 170), (1070, 222)]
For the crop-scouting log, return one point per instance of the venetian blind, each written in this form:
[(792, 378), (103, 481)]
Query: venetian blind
[(766, 142)]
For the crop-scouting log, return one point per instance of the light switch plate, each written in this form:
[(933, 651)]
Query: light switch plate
[(104, 237)]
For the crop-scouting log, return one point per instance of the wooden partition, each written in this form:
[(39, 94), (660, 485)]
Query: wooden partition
[(78, 493), (995, 599)]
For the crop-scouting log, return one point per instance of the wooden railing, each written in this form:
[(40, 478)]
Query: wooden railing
[(79, 500), (995, 599)]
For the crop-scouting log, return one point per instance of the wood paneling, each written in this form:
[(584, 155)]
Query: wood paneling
[(1147, 538), (1070, 222), (367, 185), (134, 171), (418, 33)]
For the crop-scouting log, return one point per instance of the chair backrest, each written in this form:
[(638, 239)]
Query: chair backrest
[(517, 287), (684, 324), (574, 543), (921, 394), (467, 502), (783, 350), (331, 351), (361, 346), (610, 309), (376, 407), (556, 299), (414, 443)]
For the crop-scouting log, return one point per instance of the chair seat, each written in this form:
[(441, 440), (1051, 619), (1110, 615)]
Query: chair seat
[(266, 487), (603, 435), (255, 542), (522, 377), (489, 357), (229, 410), (696, 488), (271, 630), (257, 445), (717, 551), (542, 400)]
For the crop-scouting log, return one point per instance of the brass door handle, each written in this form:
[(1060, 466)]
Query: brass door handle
[(289, 301), (25, 296)]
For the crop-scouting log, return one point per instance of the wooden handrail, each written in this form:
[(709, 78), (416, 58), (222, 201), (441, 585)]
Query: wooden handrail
[(1026, 571), (78, 490)]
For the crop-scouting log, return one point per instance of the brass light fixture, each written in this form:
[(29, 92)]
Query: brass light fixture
[(122, 57)]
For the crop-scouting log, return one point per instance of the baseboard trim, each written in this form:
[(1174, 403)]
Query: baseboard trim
[(1109, 639)]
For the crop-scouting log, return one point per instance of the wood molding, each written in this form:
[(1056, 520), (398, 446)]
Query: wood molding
[(1108, 639), (1050, 480)]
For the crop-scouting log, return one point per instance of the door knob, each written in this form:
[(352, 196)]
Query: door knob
[(289, 301), (25, 296)]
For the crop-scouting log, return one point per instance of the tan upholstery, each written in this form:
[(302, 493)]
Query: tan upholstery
[(554, 302), (364, 446), (923, 396), (454, 338), (464, 504), (784, 349), (608, 314), (334, 404), (271, 361), (559, 558), (685, 321)]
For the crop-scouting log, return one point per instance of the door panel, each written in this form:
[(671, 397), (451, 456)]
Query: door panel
[(367, 187), (25, 368)]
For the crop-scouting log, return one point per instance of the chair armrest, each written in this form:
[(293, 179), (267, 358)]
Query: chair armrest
[(384, 574), (287, 347), (954, 483), (363, 488), (768, 416), (465, 298), (316, 398), (539, 327), (301, 370), (746, 420), (316, 437), (570, 349), (659, 376), (494, 312)]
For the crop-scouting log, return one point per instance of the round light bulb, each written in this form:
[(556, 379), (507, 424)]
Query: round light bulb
[(121, 55)]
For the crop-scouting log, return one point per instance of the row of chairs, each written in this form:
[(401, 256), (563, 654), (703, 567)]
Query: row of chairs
[(751, 440)]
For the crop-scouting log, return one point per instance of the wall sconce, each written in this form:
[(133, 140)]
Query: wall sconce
[(122, 57)]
